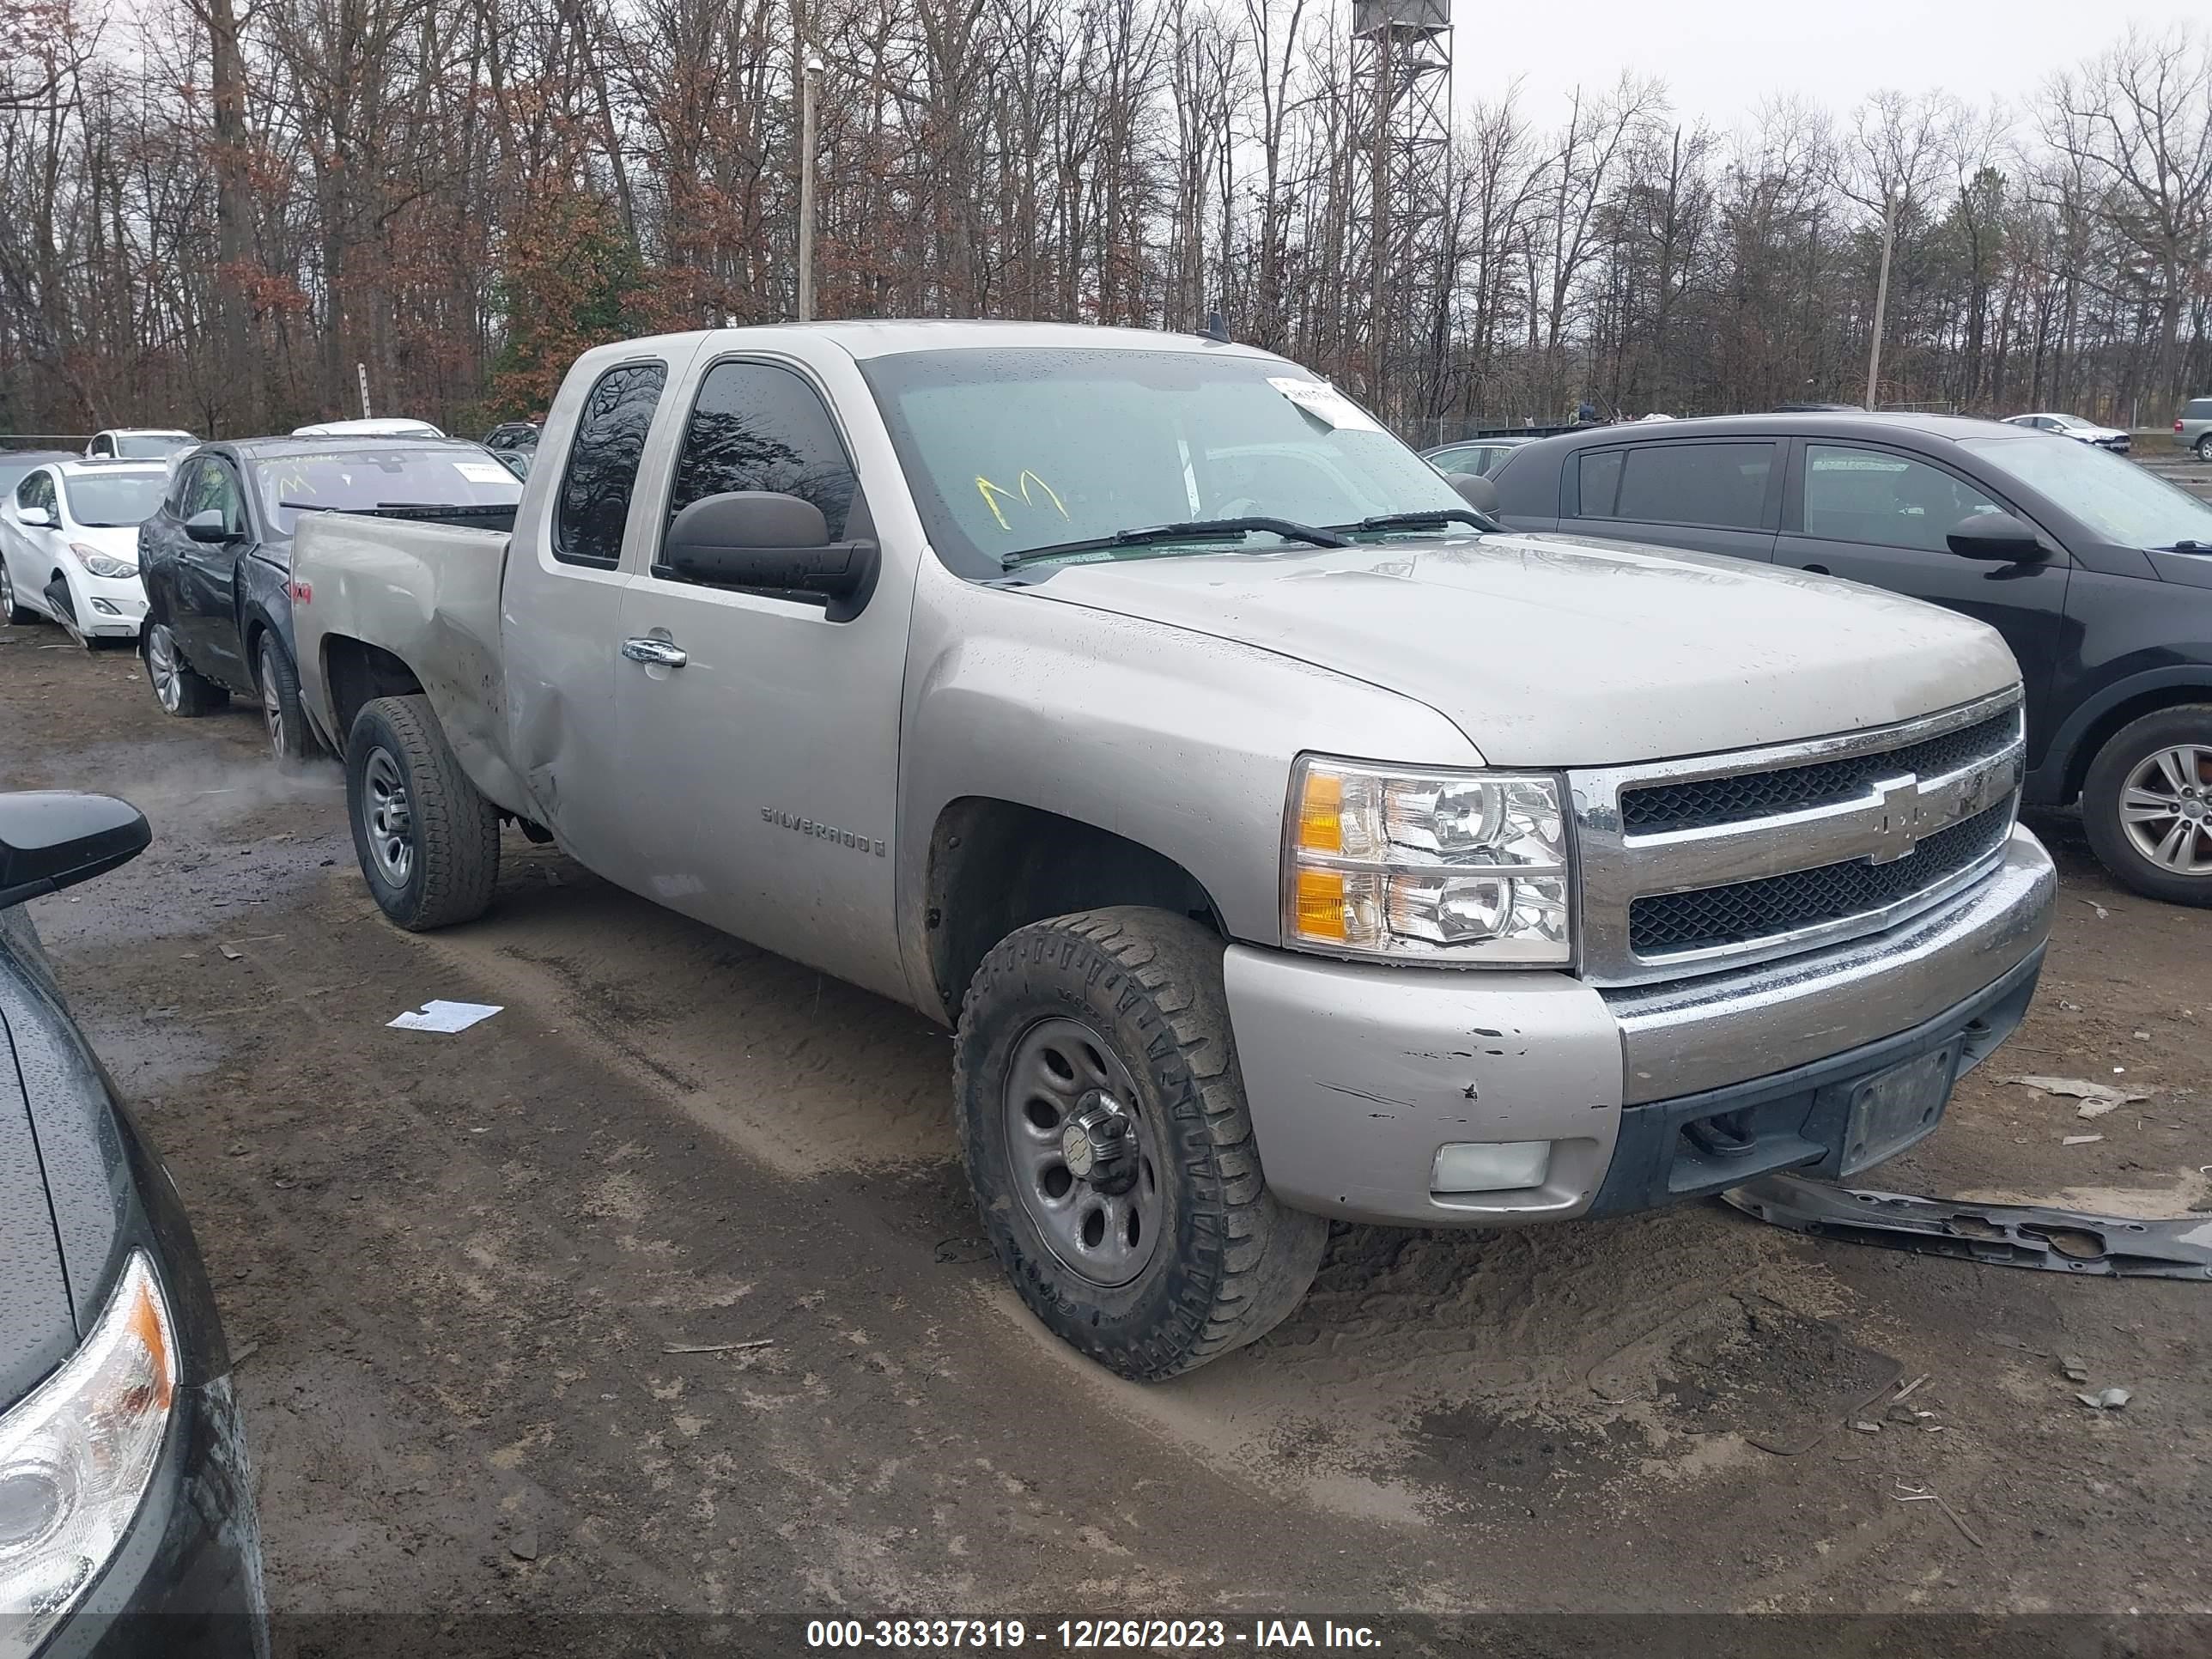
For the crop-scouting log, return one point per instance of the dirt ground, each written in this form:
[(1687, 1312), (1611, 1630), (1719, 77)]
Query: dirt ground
[(483, 1287)]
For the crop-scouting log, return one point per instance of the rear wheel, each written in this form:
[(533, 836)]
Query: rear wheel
[(2204, 448), (427, 842), (9, 610), (176, 687), (2147, 805), (282, 711), (1105, 1133)]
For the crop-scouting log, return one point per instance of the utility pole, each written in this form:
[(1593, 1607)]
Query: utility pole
[(1880, 303), (361, 373), (810, 92)]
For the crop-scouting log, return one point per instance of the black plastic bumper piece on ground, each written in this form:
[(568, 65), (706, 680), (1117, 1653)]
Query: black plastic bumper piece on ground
[(1698, 1145), (1997, 1235)]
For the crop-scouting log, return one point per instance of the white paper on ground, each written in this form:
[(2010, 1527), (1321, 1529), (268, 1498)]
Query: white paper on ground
[(1324, 402), (439, 1015)]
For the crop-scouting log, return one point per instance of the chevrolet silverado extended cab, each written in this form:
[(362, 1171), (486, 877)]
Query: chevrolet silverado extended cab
[(1282, 842)]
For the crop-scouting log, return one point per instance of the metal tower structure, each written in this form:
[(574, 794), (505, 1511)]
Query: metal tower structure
[(1402, 127)]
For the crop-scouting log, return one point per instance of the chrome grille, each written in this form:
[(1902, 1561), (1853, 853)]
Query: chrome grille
[(1710, 916), (1792, 788), (1711, 863)]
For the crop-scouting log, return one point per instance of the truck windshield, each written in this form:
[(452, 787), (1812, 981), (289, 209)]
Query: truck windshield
[(1012, 449), (2123, 503), (357, 480)]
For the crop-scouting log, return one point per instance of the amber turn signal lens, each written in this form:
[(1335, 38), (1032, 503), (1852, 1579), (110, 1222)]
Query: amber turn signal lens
[(1321, 813), (1321, 904)]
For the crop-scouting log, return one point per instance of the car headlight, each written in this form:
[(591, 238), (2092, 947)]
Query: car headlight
[(102, 564), (1426, 867), (76, 1457)]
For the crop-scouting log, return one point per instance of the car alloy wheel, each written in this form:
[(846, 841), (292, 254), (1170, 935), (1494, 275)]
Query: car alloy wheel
[(161, 667), (272, 700), (2165, 807), (389, 817)]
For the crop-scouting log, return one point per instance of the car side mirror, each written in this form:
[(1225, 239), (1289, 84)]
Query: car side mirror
[(1477, 492), (41, 516), (207, 526), (1998, 537), (51, 839), (761, 538)]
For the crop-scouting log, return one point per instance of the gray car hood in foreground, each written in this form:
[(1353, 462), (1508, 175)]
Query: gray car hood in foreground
[(1557, 650)]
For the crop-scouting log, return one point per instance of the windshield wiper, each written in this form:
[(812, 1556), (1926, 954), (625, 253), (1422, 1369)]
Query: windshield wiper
[(1426, 518), (1196, 530), (2184, 546)]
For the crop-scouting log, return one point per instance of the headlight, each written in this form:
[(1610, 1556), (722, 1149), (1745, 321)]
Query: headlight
[(102, 564), (1426, 867), (76, 1457)]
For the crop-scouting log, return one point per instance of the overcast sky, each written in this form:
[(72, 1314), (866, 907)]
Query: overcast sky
[(1722, 59)]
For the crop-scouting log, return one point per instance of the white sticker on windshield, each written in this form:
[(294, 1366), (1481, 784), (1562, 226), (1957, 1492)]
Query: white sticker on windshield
[(483, 472), (1324, 402)]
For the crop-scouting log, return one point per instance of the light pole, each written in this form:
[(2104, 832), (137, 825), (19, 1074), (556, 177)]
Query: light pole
[(1880, 303), (810, 88)]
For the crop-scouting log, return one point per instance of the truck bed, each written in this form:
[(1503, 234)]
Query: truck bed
[(426, 592)]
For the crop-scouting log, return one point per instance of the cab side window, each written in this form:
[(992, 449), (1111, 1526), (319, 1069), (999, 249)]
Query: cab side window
[(759, 427), (603, 460), (1886, 499), (37, 489), (103, 445)]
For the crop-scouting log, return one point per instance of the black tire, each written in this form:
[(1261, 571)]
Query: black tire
[(406, 794), (2204, 448), (2131, 756), (290, 738), (10, 611), (179, 689), (1230, 1261)]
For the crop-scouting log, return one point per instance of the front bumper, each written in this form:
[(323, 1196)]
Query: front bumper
[(1357, 1074)]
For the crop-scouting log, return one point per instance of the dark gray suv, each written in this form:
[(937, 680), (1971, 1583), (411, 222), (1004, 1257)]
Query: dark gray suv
[(2097, 574)]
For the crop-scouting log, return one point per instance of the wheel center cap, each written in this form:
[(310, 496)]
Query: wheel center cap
[(2192, 808), (1100, 1144)]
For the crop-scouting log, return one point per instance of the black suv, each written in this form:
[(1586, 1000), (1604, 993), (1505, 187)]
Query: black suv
[(2097, 574)]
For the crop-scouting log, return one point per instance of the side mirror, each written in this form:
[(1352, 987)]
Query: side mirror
[(760, 538), (1998, 537), (1478, 492), (43, 517), (207, 526), (51, 839)]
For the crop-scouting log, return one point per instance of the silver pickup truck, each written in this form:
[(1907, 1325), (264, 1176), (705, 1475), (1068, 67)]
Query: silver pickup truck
[(1283, 842)]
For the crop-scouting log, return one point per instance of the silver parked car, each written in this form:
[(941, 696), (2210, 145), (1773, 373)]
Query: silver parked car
[(2192, 428), (2074, 426)]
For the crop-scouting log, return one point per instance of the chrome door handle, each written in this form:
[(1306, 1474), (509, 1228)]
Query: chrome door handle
[(650, 648)]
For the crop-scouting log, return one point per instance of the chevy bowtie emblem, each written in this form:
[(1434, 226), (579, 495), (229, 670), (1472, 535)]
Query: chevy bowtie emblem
[(1899, 832)]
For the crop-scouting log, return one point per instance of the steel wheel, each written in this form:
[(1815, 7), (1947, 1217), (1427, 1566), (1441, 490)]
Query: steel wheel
[(272, 701), (390, 817), (161, 667), (1080, 1151), (2165, 807)]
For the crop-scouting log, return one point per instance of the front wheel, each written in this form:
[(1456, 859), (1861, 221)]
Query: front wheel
[(282, 712), (2147, 805), (1104, 1130), (427, 842)]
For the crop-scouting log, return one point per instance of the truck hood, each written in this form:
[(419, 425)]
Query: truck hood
[(1559, 650)]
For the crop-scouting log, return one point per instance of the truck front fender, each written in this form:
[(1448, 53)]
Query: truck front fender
[(1174, 742)]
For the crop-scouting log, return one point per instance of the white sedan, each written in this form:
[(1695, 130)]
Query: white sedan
[(2074, 426), (69, 546)]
